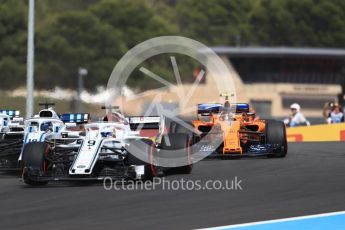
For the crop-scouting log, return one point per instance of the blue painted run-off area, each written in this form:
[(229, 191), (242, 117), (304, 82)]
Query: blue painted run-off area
[(333, 222)]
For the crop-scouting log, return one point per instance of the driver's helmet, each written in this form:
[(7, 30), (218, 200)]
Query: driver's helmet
[(107, 132), (46, 126)]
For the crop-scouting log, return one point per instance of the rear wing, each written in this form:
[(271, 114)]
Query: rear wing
[(78, 118), (10, 113), (240, 107), (144, 122), (208, 108)]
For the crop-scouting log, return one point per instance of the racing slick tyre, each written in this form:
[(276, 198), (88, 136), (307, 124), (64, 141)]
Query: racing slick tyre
[(146, 146), (179, 141), (33, 158), (187, 129), (275, 133)]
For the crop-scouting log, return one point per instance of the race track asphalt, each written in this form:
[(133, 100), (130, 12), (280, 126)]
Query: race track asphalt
[(310, 180)]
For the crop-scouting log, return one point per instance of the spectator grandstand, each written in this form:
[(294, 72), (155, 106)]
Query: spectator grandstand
[(272, 78)]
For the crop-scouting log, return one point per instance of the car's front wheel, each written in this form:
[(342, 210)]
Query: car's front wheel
[(144, 147), (33, 160), (275, 133)]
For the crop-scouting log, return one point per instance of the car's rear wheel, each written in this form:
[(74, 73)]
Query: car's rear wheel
[(182, 143), (33, 159), (186, 127), (275, 133)]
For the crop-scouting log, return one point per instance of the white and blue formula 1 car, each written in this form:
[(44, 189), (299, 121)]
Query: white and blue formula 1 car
[(11, 138), (106, 151), (48, 126), (45, 126)]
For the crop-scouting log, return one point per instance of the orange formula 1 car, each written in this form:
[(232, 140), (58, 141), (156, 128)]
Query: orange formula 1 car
[(230, 130)]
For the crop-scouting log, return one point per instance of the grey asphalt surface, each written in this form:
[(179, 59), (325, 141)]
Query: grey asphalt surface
[(310, 180)]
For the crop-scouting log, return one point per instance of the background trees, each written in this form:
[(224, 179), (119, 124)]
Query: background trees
[(95, 34)]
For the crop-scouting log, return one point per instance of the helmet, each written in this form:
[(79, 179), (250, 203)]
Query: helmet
[(107, 133), (46, 126), (295, 106)]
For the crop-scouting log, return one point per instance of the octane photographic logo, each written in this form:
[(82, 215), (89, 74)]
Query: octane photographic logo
[(216, 70), (231, 184)]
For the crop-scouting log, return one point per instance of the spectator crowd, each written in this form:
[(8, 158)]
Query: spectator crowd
[(332, 113)]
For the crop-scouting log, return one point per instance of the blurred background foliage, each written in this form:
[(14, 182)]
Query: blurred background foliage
[(94, 34)]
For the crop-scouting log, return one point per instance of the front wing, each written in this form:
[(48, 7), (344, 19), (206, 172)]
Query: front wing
[(210, 150)]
